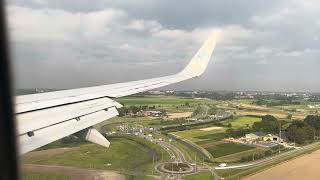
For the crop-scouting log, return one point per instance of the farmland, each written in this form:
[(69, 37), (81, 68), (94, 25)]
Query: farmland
[(212, 142), (171, 103), (161, 100), (193, 133), (243, 121), (224, 149), (203, 142)]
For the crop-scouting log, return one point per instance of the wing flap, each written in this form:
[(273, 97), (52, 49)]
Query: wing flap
[(52, 133), (35, 120)]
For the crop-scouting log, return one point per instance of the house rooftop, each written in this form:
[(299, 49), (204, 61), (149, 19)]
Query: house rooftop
[(259, 133)]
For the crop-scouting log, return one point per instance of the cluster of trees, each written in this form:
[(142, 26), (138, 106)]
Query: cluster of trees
[(163, 122), (300, 132), (210, 95), (276, 102), (315, 98), (304, 131), (134, 109), (204, 111), (218, 95), (268, 124), (313, 121)]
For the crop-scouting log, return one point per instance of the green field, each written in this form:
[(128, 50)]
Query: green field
[(195, 133), (212, 142), (160, 100), (200, 176), (171, 103), (237, 156), (215, 144), (244, 121), (215, 136), (224, 149), (129, 154), (41, 176)]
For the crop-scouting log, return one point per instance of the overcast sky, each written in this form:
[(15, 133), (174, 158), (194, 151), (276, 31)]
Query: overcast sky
[(264, 45)]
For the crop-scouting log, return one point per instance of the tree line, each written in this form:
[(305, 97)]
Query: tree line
[(300, 132)]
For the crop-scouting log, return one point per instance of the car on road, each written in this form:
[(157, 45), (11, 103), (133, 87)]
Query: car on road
[(222, 165)]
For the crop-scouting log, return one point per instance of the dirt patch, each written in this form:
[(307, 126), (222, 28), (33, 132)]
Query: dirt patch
[(74, 172), (44, 154), (279, 114), (211, 128), (257, 113), (180, 115), (305, 167), (253, 107)]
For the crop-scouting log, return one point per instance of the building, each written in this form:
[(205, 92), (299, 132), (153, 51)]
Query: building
[(254, 136), (270, 137), (152, 113), (156, 92)]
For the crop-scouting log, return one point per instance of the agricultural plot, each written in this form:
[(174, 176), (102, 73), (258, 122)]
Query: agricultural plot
[(160, 100), (236, 157), (210, 139), (224, 149), (215, 136), (193, 134), (244, 121), (170, 103), (212, 142)]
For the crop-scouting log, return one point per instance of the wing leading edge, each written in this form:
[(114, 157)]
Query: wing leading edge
[(46, 117)]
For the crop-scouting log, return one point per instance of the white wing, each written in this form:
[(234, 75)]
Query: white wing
[(46, 117)]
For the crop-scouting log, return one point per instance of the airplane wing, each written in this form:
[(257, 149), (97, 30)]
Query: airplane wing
[(46, 117)]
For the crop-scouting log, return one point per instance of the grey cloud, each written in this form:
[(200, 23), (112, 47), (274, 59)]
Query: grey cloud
[(265, 46)]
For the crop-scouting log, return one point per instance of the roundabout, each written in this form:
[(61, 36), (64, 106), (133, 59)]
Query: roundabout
[(175, 168)]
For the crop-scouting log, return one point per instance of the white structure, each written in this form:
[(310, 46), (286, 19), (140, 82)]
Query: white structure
[(46, 117)]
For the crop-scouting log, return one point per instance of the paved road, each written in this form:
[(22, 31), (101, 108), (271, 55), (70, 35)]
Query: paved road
[(268, 160), (181, 158)]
